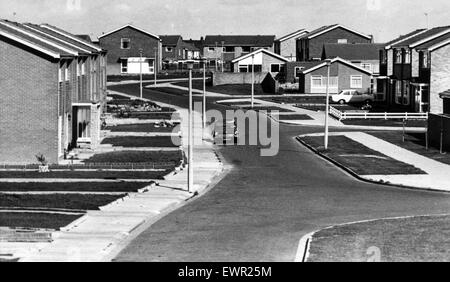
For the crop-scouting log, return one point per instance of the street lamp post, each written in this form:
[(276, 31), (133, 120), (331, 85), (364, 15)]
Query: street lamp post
[(140, 72), (190, 66), (217, 57), (204, 94), (327, 104), (253, 80), (154, 64), (223, 42)]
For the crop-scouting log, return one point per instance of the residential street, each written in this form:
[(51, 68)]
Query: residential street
[(261, 209)]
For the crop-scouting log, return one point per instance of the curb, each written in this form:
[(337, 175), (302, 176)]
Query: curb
[(361, 178), (305, 242)]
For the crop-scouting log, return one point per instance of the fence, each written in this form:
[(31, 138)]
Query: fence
[(97, 166), (366, 115)]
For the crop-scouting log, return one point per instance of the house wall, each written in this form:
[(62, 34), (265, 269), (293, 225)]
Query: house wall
[(138, 40), (262, 59), (344, 73), (29, 105), (440, 78), (315, 45), (175, 54), (221, 78), (288, 49)]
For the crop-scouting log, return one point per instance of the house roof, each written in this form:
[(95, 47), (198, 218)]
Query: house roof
[(186, 44), (423, 37), (368, 51), (401, 38), (259, 51), (328, 28), (16, 32), (70, 37), (130, 26), (240, 40), (339, 60), (293, 34), (435, 43), (85, 37), (170, 40)]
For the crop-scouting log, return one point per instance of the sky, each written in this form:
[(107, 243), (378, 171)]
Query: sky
[(385, 19)]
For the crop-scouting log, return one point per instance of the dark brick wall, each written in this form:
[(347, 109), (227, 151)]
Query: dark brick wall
[(28, 105), (112, 43), (316, 44)]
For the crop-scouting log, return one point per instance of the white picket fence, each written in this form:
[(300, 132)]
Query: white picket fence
[(364, 115)]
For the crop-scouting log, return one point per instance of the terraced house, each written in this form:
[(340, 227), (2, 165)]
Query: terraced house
[(220, 50), (53, 87), (416, 70), (176, 51)]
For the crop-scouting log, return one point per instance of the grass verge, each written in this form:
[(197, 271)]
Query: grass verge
[(85, 174), (57, 201), (126, 187), (36, 220), (388, 123), (294, 117), (158, 141), (142, 127), (137, 157), (229, 89), (359, 158), (421, 239)]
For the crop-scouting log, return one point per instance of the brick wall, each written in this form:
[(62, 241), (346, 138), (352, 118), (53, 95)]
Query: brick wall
[(112, 43), (220, 78), (440, 77), (288, 49), (28, 105)]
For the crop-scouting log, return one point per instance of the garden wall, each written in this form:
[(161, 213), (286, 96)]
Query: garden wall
[(435, 123)]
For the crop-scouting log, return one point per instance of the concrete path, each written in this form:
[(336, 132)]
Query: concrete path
[(437, 172), (100, 235), (152, 80), (195, 92)]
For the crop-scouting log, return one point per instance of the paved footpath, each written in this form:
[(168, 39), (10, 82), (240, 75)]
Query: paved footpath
[(100, 235), (437, 172)]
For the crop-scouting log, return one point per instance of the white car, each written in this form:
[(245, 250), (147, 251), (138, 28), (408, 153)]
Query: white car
[(352, 96)]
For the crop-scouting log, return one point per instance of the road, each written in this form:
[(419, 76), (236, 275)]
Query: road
[(261, 209)]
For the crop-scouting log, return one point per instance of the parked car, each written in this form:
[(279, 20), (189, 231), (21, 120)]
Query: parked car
[(352, 96), (225, 131)]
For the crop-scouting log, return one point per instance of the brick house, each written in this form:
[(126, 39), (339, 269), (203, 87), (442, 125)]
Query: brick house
[(343, 75), (124, 46), (310, 45), (415, 70), (53, 88), (176, 51), (365, 56), (220, 50), (286, 46), (262, 61)]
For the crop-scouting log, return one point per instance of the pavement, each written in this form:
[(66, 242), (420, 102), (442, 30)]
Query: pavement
[(99, 235), (264, 205)]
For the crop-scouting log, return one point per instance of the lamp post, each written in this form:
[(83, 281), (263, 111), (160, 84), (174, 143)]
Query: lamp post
[(203, 60), (223, 42), (253, 80), (217, 57), (190, 66), (140, 72), (154, 64), (327, 104)]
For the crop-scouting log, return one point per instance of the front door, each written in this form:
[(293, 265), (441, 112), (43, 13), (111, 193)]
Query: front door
[(81, 130)]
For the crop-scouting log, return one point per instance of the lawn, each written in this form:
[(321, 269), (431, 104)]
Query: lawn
[(298, 100), (126, 187), (382, 122), (414, 142), (137, 157), (57, 201), (152, 115), (116, 78), (294, 117), (359, 158), (158, 141), (143, 127), (229, 89), (85, 174), (170, 90), (421, 239), (36, 220)]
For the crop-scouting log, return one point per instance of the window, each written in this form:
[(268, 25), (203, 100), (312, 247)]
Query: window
[(407, 59), (169, 49), (151, 65), (367, 66), (124, 66), (316, 81), (298, 71), (275, 68), (424, 59), (243, 68), (211, 49), (83, 68), (398, 56), (60, 74), (398, 92), (229, 49), (342, 41), (356, 81), (67, 73), (246, 49), (125, 43)]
